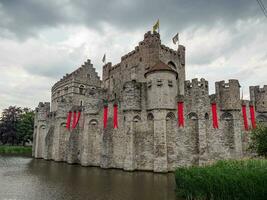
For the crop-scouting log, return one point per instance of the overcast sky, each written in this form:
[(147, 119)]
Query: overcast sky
[(40, 40)]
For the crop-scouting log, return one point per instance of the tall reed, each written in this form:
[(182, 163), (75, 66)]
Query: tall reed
[(243, 179)]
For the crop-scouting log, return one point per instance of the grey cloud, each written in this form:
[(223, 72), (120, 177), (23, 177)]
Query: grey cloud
[(25, 18)]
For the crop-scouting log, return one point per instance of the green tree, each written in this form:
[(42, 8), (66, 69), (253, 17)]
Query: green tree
[(16, 125), (10, 118), (259, 140), (25, 127)]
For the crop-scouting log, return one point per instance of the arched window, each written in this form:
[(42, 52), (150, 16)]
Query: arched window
[(93, 122), (66, 89), (136, 119), (82, 89), (226, 116), (172, 65), (206, 116), (170, 116), (150, 117), (192, 116)]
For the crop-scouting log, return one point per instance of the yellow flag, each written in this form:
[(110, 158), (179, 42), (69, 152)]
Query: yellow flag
[(156, 26)]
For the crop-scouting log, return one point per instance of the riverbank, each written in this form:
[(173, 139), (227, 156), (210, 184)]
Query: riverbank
[(15, 149), (244, 179)]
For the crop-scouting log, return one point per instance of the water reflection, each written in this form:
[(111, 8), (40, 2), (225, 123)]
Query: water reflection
[(27, 178)]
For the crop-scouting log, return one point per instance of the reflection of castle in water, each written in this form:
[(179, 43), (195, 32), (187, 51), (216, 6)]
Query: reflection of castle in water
[(146, 86)]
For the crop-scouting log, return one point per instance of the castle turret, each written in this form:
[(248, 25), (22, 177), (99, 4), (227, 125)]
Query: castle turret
[(259, 96), (41, 116), (228, 97), (228, 94), (161, 87), (161, 97)]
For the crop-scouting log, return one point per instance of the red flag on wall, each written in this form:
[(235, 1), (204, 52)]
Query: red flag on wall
[(74, 119), (68, 120), (105, 117), (252, 116), (245, 119), (180, 106), (214, 116), (115, 116)]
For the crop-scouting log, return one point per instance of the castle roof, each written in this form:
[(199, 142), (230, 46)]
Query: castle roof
[(160, 66)]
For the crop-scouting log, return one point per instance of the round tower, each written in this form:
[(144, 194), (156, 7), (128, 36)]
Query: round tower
[(161, 87)]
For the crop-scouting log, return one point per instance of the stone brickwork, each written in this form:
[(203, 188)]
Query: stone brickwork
[(146, 85)]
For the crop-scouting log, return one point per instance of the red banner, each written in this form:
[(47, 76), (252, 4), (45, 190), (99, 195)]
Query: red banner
[(252, 116), (105, 117), (68, 120), (180, 106), (74, 119), (115, 116), (77, 120), (214, 116), (245, 119)]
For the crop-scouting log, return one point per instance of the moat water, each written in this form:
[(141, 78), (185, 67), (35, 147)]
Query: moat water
[(25, 178)]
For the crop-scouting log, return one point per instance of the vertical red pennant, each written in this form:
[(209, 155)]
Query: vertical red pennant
[(68, 120), (214, 115), (180, 114), (105, 117), (115, 116), (245, 119), (77, 120), (252, 116), (74, 119)]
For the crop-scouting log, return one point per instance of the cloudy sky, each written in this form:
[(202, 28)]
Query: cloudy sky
[(40, 40)]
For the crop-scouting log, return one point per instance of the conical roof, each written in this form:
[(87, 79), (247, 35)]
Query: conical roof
[(160, 66)]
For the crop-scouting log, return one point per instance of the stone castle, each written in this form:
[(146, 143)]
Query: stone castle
[(145, 87)]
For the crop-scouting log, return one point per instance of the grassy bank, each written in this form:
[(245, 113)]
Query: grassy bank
[(15, 149), (246, 179)]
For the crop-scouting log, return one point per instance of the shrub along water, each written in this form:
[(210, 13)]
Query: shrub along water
[(15, 149), (244, 179)]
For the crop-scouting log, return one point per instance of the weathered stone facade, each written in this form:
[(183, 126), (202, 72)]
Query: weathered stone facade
[(146, 85)]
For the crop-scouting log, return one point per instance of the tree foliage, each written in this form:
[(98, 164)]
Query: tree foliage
[(259, 140), (16, 125)]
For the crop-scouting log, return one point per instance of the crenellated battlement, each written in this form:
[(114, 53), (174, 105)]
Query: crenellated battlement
[(195, 86), (228, 94), (259, 96), (42, 111)]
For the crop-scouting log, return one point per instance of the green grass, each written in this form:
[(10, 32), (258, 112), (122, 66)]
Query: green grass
[(235, 180), (15, 149)]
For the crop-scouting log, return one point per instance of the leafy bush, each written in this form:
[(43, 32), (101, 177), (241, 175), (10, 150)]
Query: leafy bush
[(246, 179), (259, 140)]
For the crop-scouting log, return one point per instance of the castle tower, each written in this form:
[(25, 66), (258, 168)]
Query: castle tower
[(228, 96), (161, 97), (259, 97), (41, 128), (198, 112)]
